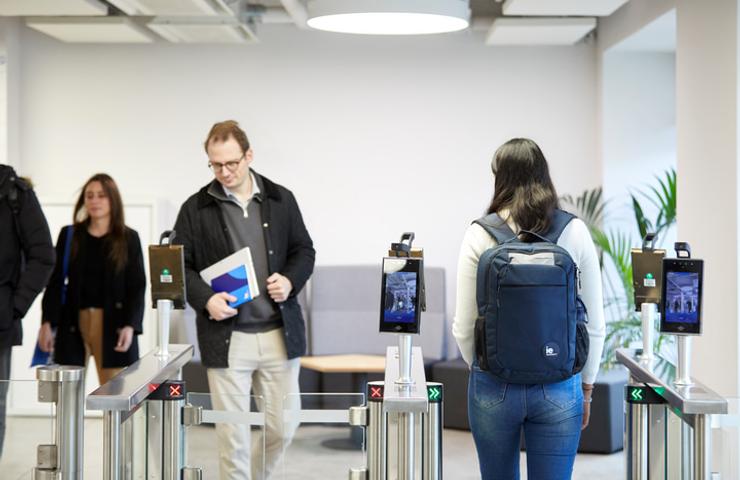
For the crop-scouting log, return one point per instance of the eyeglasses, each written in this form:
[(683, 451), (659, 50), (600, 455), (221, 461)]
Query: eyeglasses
[(230, 165)]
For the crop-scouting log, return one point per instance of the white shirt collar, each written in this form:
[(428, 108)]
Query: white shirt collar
[(255, 191)]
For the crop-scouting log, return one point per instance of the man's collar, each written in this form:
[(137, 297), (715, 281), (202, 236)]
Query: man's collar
[(210, 192), (225, 194)]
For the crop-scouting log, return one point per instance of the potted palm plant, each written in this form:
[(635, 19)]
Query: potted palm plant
[(614, 245), (624, 326)]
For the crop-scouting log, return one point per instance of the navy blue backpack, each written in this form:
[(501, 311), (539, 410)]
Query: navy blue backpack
[(531, 325)]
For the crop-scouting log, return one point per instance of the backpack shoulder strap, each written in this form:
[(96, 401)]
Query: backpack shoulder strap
[(497, 228), (560, 219), (68, 234)]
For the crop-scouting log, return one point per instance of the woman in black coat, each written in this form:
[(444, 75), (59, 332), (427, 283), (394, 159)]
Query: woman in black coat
[(95, 298)]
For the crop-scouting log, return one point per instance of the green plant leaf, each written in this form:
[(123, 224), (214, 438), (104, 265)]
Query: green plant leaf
[(588, 206), (614, 248), (663, 196), (643, 224)]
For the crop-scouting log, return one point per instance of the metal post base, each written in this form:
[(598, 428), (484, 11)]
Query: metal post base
[(64, 386), (192, 473), (358, 474), (41, 474)]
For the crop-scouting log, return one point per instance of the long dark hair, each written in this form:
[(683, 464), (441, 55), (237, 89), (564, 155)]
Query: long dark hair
[(116, 240), (523, 185)]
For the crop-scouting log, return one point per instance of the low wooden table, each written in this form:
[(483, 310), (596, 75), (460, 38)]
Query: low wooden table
[(358, 366), (353, 363)]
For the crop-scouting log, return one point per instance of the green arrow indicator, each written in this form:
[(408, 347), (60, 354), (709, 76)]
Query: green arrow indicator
[(636, 395), (166, 271), (434, 393), (649, 276)]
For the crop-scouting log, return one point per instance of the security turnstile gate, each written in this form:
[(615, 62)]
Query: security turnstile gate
[(404, 424), (667, 427), (64, 387), (146, 400)]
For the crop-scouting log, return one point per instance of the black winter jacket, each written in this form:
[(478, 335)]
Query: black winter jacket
[(201, 229), (123, 304), (26, 254)]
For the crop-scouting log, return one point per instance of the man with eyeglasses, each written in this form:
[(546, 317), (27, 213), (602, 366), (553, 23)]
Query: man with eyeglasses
[(257, 345)]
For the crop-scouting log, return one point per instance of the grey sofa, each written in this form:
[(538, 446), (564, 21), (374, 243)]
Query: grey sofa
[(344, 312), (341, 305)]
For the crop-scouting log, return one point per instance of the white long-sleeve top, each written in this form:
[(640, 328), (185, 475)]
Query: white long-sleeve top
[(576, 239)]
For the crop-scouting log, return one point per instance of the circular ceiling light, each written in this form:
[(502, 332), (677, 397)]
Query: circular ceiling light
[(389, 17)]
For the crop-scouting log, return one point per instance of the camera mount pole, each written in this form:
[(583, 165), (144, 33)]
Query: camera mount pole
[(683, 375)]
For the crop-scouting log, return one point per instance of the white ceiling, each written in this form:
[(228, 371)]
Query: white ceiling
[(51, 7), (513, 22), (91, 29), (585, 8), (539, 31)]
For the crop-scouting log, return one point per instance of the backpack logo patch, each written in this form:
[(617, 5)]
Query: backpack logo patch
[(551, 350)]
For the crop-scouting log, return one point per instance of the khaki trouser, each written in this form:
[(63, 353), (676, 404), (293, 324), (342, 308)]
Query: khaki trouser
[(257, 362), (91, 330)]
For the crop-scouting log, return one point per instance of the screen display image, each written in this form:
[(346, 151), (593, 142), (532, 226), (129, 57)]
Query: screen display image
[(682, 297), (400, 297), (400, 293)]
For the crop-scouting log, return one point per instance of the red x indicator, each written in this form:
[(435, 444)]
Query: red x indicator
[(376, 392), (175, 390)]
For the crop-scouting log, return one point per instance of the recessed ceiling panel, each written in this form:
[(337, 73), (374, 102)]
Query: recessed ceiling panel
[(11, 8), (173, 7), (539, 31), (91, 30), (202, 30), (583, 8)]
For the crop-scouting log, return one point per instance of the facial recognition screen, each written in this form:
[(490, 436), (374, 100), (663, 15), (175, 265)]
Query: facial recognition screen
[(400, 296), (682, 297)]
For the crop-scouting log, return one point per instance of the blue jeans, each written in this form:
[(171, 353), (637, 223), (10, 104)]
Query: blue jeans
[(4, 376), (550, 415)]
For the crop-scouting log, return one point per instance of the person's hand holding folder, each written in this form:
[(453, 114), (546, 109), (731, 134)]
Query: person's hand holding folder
[(218, 306), (234, 281)]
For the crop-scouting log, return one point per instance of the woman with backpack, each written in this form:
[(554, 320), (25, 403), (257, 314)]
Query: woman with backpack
[(527, 274), (95, 298)]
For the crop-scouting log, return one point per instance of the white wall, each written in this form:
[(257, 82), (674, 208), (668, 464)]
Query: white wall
[(639, 129), (707, 132), (375, 136), (630, 18), (10, 69)]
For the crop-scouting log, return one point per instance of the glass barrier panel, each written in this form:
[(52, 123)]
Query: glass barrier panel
[(28, 424), (317, 441), (726, 442), (230, 436)]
